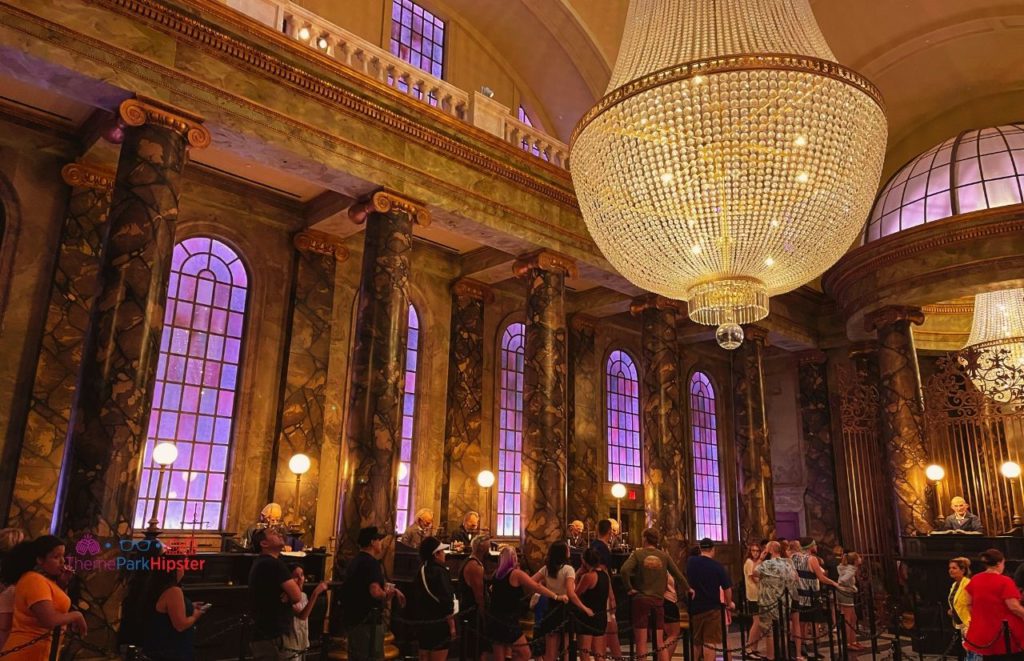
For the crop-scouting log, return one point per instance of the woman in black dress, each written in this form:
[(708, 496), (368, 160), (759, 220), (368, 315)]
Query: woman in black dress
[(508, 591), (594, 590)]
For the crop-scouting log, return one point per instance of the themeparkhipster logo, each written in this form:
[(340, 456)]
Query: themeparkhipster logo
[(92, 554)]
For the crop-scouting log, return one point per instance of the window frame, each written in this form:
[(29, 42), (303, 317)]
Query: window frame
[(605, 392), (498, 386), (719, 459), (437, 18), (414, 415)]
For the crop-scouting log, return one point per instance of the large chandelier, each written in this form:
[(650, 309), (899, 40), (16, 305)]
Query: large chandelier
[(732, 158), (994, 355)]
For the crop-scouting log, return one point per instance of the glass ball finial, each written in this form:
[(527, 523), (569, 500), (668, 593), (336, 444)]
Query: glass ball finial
[(729, 335)]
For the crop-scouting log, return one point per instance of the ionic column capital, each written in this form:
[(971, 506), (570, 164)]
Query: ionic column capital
[(384, 201), (469, 288), (81, 175), (583, 323), (654, 302), (758, 334), (892, 314), (144, 110), (812, 357), (545, 260), (320, 243)]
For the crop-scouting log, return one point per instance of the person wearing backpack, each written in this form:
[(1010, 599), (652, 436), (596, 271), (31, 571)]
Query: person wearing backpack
[(433, 612)]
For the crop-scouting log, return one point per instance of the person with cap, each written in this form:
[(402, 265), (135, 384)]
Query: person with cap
[(709, 581), (419, 530), (962, 519), (433, 602), (364, 596), (645, 574), (469, 529), (272, 592)]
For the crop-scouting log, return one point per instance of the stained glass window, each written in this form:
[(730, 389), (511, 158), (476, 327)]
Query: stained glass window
[(622, 406), (524, 117), (525, 143), (408, 420), (510, 429), (197, 375), (417, 36), (706, 466)]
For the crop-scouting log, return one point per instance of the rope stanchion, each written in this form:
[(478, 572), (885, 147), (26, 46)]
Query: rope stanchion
[(30, 643)]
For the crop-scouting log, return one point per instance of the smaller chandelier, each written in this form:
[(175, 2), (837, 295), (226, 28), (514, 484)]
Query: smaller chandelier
[(994, 355)]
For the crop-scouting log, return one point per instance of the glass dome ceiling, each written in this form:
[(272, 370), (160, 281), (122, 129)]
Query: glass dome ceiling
[(978, 169)]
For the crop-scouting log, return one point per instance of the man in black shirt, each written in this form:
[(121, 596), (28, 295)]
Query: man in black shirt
[(271, 595), (365, 595)]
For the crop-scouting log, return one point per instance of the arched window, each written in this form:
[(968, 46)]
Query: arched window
[(706, 467), (193, 402), (412, 349), (510, 429), (622, 403)]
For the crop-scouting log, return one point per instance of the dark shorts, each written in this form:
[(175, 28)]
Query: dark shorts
[(706, 629), (643, 608), (671, 611), (549, 619), (503, 631), (433, 636)]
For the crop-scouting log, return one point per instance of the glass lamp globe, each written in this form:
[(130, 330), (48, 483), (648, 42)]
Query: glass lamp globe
[(935, 473), (299, 464), (485, 479), (729, 336), (165, 454), (618, 490), (1010, 470)]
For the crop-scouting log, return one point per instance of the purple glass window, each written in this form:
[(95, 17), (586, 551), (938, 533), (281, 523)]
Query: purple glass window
[(412, 349), (526, 145), (706, 468), (622, 406), (197, 375), (417, 36), (524, 117), (510, 429)]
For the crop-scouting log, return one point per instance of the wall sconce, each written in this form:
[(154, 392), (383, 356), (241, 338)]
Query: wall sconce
[(298, 464), (618, 493), (1011, 471), (164, 455), (485, 479)]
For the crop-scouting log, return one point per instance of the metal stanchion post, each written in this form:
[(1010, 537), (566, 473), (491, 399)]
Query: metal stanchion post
[(831, 604), (1006, 638), (872, 626), (632, 634), (783, 627), (743, 633), (571, 632), (897, 646), (725, 634), (55, 644)]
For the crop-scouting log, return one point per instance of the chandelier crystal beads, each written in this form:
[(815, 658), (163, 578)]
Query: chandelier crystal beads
[(994, 355), (732, 158)]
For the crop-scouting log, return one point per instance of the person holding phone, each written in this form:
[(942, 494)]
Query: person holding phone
[(170, 617)]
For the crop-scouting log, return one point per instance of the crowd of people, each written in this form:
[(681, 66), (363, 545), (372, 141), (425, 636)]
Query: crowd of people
[(482, 615)]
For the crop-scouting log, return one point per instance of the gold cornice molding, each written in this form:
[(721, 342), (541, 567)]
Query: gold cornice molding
[(386, 201), (202, 36), (474, 289), (545, 260), (892, 314), (320, 243), (81, 175), (144, 110), (653, 301), (862, 348)]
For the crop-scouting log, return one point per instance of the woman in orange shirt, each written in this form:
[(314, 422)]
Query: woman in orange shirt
[(40, 605)]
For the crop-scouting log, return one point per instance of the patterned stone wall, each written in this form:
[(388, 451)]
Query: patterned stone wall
[(820, 498), (756, 497), (584, 429), (72, 295), (302, 412)]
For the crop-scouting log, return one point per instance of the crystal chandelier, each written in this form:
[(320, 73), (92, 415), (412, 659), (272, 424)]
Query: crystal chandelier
[(732, 158), (994, 355)]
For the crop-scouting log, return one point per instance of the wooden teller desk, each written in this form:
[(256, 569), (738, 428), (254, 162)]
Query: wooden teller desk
[(926, 563)]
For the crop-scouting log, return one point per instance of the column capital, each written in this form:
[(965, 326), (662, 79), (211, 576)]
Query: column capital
[(758, 334), (891, 314), (583, 322), (812, 357), (81, 175), (383, 201), (469, 288), (320, 243), (145, 110), (862, 348), (545, 260), (653, 302)]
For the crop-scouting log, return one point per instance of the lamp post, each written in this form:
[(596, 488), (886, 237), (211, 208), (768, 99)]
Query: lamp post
[(935, 474), (164, 455), (298, 464), (1011, 471), (618, 492), (485, 479)]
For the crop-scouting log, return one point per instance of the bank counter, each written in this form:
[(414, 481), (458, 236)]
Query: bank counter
[(925, 561)]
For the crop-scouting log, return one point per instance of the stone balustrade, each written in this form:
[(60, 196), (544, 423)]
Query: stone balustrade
[(356, 53)]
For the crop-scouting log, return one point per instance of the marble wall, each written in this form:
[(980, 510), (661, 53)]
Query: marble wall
[(820, 497), (585, 432), (756, 499)]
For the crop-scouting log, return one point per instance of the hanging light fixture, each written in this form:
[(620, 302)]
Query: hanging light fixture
[(732, 158), (994, 355)]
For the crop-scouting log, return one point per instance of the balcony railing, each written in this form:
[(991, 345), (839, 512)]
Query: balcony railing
[(356, 53)]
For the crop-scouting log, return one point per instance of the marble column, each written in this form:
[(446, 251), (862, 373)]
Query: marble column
[(756, 495), (373, 431), (665, 466), (544, 402), (300, 425), (463, 444), (903, 425), (72, 294), (111, 419), (584, 428), (820, 499)]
